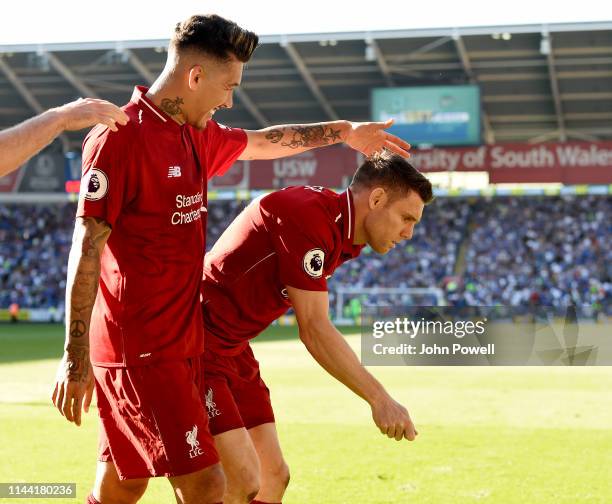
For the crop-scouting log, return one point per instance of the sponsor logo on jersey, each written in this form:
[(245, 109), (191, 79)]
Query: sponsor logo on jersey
[(189, 209), (174, 171), (95, 184), (313, 262)]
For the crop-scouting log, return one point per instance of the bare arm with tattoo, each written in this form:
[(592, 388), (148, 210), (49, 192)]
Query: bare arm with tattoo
[(280, 141), (74, 382)]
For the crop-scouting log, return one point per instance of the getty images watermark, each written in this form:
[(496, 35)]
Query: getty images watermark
[(410, 329), (484, 336)]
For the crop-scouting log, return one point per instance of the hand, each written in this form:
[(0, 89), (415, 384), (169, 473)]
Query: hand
[(393, 419), (87, 112), (371, 137), (74, 383)]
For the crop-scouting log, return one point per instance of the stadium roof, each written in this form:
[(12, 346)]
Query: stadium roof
[(538, 82)]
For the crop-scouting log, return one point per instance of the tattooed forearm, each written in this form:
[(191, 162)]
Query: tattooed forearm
[(83, 276), (77, 362), (85, 287), (87, 273), (77, 329), (315, 135), (288, 139), (172, 107), (274, 135)]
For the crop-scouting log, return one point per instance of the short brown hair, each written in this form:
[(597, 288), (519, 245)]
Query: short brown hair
[(394, 174), (215, 36)]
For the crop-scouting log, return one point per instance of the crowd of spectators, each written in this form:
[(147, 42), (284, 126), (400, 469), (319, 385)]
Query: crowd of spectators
[(518, 251), (539, 251), (34, 246)]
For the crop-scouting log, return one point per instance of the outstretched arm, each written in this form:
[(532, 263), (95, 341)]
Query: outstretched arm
[(286, 140), (332, 352), (21, 142), (74, 382)]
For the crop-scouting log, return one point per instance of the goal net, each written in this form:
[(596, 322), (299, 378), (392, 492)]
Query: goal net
[(348, 301)]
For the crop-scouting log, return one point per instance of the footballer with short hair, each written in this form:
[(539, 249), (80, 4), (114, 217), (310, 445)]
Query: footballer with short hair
[(278, 254), (134, 326)]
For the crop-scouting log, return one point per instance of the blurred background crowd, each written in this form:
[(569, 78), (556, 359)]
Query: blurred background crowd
[(510, 251)]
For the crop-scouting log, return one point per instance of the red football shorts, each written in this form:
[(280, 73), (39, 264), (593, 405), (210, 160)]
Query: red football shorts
[(234, 394), (153, 422)]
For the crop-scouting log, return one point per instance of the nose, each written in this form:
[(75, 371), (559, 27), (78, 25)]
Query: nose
[(229, 103), (406, 233)]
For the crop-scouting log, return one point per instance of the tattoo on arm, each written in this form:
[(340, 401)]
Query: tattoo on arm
[(77, 329), (274, 135), (77, 362), (172, 107), (81, 289), (316, 135)]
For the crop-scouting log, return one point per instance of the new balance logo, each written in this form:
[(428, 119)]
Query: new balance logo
[(174, 171), (192, 440)]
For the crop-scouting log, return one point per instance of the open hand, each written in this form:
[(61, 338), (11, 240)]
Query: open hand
[(371, 137)]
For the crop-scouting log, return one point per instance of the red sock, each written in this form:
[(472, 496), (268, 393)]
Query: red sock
[(91, 500)]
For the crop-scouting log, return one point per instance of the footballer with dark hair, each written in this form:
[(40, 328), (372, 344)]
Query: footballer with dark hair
[(278, 254), (133, 317)]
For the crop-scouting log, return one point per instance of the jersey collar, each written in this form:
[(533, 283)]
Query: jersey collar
[(347, 209), (139, 98)]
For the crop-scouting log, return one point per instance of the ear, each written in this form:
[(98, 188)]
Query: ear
[(378, 198), (196, 75)]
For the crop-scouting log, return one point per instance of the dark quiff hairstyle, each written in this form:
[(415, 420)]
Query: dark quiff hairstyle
[(394, 174), (214, 36)]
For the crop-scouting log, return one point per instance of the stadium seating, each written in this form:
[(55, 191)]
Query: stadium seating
[(518, 251)]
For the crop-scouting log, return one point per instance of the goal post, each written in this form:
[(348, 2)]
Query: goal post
[(349, 300)]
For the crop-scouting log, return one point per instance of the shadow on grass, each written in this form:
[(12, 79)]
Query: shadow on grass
[(29, 342)]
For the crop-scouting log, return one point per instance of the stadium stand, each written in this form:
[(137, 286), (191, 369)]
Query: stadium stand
[(513, 251)]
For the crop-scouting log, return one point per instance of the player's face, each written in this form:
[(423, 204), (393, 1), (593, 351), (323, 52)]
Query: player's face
[(214, 90), (390, 221)]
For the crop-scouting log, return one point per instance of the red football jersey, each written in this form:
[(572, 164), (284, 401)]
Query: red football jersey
[(148, 181), (297, 237)]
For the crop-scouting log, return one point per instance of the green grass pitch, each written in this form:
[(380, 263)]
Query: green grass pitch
[(499, 434)]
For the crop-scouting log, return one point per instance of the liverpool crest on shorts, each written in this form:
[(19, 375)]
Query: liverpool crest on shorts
[(211, 407), (192, 440)]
